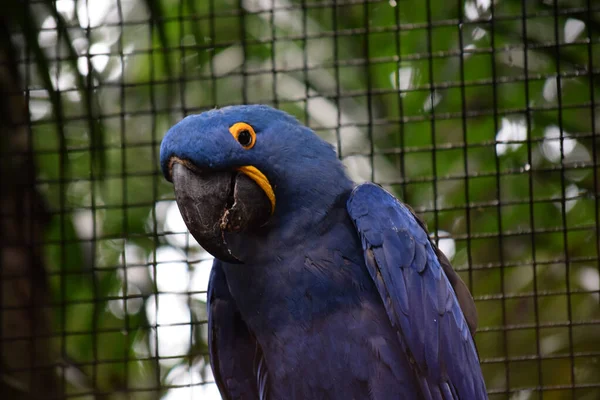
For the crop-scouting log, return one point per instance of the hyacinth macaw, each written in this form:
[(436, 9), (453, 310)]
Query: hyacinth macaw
[(319, 289)]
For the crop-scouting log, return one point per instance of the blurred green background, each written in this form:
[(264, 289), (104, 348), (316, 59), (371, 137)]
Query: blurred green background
[(479, 114)]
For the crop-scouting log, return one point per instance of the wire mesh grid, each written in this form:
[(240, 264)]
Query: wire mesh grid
[(481, 115)]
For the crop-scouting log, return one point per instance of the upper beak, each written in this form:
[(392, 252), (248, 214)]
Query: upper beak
[(214, 203)]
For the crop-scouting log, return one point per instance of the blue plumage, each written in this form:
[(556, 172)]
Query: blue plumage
[(341, 294), (419, 299)]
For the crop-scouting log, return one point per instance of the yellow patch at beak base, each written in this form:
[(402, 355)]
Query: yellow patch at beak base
[(262, 181)]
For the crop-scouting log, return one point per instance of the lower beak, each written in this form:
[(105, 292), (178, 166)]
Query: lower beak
[(215, 203)]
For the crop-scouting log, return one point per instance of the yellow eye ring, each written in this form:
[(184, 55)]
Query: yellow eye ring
[(244, 134)]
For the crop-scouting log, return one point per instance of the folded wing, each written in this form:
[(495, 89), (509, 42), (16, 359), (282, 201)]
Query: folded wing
[(420, 299)]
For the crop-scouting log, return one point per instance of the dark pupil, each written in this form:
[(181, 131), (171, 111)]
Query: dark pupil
[(244, 137)]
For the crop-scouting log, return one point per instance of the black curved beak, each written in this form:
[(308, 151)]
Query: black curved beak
[(215, 203)]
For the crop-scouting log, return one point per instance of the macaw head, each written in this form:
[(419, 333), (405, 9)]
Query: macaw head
[(244, 171)]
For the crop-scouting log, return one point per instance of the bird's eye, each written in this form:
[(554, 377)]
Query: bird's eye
[(244, 134), (245, 137)]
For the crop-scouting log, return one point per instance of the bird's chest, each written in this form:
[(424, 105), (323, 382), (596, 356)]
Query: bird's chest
[(302, 290), (320, 323), (336, 352), (298, 285)]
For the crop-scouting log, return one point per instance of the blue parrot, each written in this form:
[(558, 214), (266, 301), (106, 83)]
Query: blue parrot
[(320, 289)]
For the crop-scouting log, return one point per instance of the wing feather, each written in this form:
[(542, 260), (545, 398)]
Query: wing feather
[(236, 358), (419, 290)]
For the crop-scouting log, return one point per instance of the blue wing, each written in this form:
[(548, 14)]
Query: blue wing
[(419, 298), (235, 356)]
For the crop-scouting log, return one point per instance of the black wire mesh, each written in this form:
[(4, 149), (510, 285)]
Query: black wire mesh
[(480, 114)]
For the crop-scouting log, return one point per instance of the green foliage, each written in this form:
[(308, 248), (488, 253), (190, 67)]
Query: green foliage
[(477, 159)]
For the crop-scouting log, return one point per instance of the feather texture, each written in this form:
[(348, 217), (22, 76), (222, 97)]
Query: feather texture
[(418, 296), (236, 359), (341, 294)]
